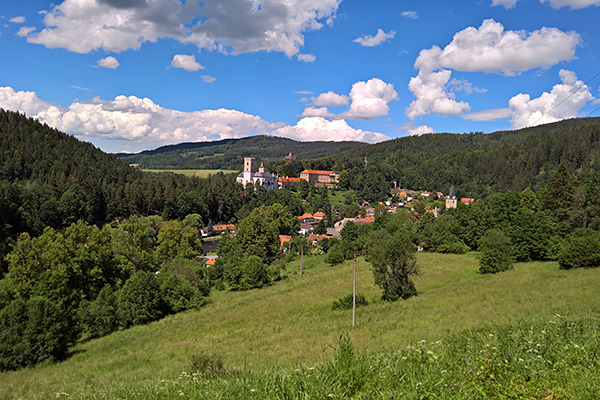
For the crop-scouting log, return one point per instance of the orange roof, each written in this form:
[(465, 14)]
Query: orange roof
[(210, 262), (283, 239), (467, 200), (305, 215), (319, 214), (314, 236), (316, 172), (288, 179), (224, 227)]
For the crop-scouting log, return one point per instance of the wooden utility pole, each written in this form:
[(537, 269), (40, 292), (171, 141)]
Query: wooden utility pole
[(354, 294), (301, 257)]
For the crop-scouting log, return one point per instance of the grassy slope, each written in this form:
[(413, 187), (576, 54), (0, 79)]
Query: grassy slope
[(291, 322), (200, 173)]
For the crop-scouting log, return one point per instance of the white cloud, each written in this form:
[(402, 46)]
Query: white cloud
[(306, 57), (488, 48), (304, 92), (317, 128), (371, 41), (488, 115), (139, 123), (505, 3), (186, 62), (419, 130), (458, 85), (330, 99), (17, 20), (431, 95), (25, 31), (317, 112), (368, 100), (108, 62), (574, 4), (237, 26), (410, 14), (208, 78), (564, 101)]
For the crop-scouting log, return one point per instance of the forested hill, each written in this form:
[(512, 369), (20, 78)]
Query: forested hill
[(477, 164), (51, 179), (229, 153)]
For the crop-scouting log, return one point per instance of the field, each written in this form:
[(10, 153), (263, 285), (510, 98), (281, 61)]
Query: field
[(290, 327), (200, 173)]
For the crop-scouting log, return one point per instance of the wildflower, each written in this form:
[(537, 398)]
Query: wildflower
[(444, 371), (253, 390)]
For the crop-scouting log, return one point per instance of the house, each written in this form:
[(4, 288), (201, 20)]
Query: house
[(316, 239), (222, 228), (319, 215), (260, 178), (284, 181), (210, 262), (425, 194), (315, 176), (283, 239), (467, 200), (306, 218)]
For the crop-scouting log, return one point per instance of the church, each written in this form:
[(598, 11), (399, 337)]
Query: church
[(260, 178)]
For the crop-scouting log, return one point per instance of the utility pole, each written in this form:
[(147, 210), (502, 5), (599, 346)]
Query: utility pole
[(354, 294), (301, 256)]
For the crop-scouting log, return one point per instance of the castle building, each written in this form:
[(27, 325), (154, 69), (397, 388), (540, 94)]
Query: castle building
[(260, 178)]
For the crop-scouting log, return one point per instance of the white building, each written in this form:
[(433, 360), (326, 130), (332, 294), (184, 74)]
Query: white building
[(260, 178)]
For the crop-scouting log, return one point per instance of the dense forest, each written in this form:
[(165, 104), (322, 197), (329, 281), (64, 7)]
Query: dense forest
[(228, 154)]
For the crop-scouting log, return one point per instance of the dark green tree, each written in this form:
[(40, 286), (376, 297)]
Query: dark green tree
[(495, 252)]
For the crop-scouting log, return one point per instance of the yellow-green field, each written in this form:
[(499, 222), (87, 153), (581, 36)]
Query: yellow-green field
[(200, 173), (291, 322)]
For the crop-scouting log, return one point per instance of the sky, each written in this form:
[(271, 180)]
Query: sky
[(131, 75)]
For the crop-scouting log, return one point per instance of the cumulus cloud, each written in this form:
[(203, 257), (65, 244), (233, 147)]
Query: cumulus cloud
[(372, 41), (108, 62), (330, 99), (17, 20), (459, 85), (318, 128), (419, 130), (564, 101), (410, 14), (208, 78), (488, 48), (367, 100), (139, 123), (317, 112), (306, 57), (186, 62), (505, 3), (236, 26), (25, 31), (574, 4)]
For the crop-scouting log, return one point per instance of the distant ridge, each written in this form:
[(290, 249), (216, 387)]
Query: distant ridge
[(229, 153)]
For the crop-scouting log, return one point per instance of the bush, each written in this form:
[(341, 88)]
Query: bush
[(178, 293), (496, 252), (345, 303), (457, 247), (140, 300), (581, 249), (335, 255)]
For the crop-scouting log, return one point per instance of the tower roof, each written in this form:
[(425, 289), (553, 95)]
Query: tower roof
[(452, 193)]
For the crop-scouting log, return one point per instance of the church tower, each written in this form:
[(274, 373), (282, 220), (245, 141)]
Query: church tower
[(248, 169), (451, 201)]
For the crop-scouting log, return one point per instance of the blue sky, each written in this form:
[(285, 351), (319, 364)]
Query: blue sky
[(129, 75)]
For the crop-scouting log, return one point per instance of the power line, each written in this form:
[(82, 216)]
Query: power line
[(566, 98), (592, 112)]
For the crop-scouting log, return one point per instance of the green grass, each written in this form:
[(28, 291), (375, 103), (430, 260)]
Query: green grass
[(291, 323), (200, 173)]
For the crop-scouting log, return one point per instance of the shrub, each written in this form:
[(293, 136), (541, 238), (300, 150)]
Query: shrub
[(345, 303), (140, 300), (178, 293), (496, 252), (581, 249), (457, 247), (334, 255)]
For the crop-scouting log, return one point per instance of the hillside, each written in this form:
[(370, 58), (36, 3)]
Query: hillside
[(228, 154), (291, 323)]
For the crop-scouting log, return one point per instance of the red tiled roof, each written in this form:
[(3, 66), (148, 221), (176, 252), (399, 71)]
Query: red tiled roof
[(319, 214), (316, 172), (210, 262), (287, 179), (467, 200), (283, 239), (224, 227), (306, 215)]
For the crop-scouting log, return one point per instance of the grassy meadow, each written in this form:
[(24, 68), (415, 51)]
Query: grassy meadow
[(199, 173), (277, 337)]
